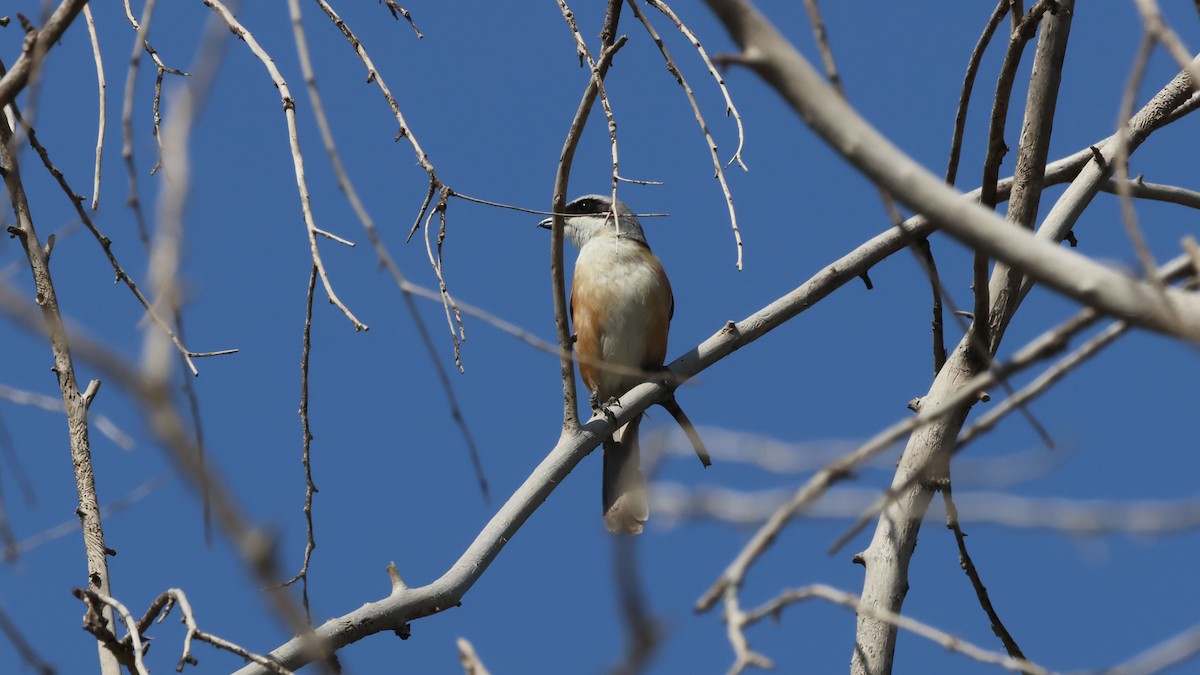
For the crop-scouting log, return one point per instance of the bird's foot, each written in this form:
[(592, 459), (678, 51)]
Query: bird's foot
[(612, 402)]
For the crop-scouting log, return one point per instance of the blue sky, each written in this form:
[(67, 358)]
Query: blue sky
[(490, 91)]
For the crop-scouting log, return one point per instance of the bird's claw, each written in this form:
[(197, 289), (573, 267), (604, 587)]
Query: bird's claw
[(613, 402)]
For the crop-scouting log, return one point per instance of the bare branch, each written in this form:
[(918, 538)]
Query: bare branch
[(64, 367), (730, 108), (850, 601), (964, 97), (1066, 272), (385, 258), (106, 245), (101, 115), (289, 112), (37, 43), (558, 203), (968, 566)]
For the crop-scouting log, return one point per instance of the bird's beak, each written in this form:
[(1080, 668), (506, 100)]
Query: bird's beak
[(547, 223)]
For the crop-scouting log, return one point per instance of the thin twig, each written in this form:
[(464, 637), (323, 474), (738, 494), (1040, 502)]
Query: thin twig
[(968, 86), (136, 647), (289, 112), (453, 317), (597, 77), (398, 11), (691, 97), (162, 606), (968, 566), (558, 201), (951, 642), (134, 201), (106, 245), (101, 107), (407, 290), (306, 439), (1139, 189)]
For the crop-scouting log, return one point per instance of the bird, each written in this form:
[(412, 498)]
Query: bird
[(621, 311)]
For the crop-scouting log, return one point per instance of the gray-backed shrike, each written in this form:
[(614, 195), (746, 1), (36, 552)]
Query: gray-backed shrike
[(621, 309)]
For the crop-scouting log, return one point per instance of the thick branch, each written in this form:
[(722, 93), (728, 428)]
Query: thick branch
[(778, 63), (1073, 275)]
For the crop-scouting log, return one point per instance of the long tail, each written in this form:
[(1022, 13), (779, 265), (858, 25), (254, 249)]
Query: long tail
[(624, 488), (681, 418)]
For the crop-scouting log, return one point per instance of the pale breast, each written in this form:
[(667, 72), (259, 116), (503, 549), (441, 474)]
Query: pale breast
[(622, 303)]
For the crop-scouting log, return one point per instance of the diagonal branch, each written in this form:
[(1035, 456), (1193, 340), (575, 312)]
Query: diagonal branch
[(1071, 274)]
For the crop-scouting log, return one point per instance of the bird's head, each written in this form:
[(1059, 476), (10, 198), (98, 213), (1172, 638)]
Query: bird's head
[(591, 216)]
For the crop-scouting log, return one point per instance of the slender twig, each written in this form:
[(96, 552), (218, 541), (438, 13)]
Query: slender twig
[(127, 111), (1139, 189), (101, 106), (141, 28), (586, 54), (968, 566), (136, 649), (558, 202), (106, 245), (1041, 384), (289, 112), (951, 642), (407, 289), (398, 11), (968, 86), (162, 606), (960, 123), (691, 97), (404, 130), (453, 317), (306, 439)]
